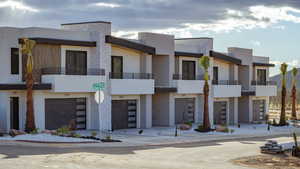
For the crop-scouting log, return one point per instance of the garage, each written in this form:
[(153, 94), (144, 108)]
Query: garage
[(185, 110), (62, 112), (220, 112), (124, 114), (259, 111)]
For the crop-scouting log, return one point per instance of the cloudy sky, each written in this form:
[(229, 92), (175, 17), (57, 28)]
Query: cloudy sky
[(270, 27)]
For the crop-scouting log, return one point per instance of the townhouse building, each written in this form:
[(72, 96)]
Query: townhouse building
[(154, 80)]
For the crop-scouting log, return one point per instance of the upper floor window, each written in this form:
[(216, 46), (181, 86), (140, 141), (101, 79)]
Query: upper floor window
[(116, 66), (215, 74), (76, 62), (188, 70), (261, 75), (14, 61)]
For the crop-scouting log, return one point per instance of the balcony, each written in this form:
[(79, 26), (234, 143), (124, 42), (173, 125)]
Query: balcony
[(189, 84), (264, 88), (131, 83), (227, 88), (72, 80)]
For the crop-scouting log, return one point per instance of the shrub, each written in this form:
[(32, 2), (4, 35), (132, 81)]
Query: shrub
[(35, 131), (94, 133), (189, 123), (63, 130), (77, 135)]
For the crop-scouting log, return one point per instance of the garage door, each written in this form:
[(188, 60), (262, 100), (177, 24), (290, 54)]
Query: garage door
[(124, 114), (185, 110), (259, 110), (220, 112), (62, 112)]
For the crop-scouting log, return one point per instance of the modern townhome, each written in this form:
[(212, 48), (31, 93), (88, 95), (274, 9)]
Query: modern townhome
[(154, 80)]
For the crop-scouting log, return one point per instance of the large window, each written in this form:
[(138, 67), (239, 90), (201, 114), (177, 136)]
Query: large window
[(14, 61), (188, 70), (76, 62), (261, 76), (116, 67)]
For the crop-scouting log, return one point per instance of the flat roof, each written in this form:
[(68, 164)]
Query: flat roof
[(50, 41), (263, 64), (188, 54), (77, 23), (193, 38)]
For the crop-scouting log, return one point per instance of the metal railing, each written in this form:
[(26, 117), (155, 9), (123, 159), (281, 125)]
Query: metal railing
[(71, 71), (263, 83), (226, 82), (187, 77), (113, 75)]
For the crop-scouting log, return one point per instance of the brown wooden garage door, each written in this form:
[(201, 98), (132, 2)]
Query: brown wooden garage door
[(124, 114), (220, 112), (185, 110), (62, 112), (259, 111)]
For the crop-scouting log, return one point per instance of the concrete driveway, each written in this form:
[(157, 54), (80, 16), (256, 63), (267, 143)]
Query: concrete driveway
[(202, 155)]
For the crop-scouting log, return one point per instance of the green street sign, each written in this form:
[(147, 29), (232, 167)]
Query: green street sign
[(99, 86)]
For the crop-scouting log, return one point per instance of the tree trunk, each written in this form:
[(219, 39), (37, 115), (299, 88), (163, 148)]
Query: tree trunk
[(282, 121), (294, 113), (30, 124), (206, 122)]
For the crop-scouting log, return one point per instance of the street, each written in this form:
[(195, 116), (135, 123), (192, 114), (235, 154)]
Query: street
[(188, 156)]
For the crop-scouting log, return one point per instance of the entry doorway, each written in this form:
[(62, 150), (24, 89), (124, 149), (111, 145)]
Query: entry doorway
[(184, 110), (14, 113)]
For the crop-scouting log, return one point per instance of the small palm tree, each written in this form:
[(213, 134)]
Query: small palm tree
[(205, 62), (283, 70), (294, 93), (27, 47)]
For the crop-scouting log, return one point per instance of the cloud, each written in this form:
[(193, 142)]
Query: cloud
[(293, 63), (16, 5), (107, 5)]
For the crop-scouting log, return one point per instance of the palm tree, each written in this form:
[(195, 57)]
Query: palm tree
[(27, 46), (283, 69), (294, 93), (204, 62)]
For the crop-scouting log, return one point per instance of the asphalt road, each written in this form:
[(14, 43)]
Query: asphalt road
[(204, 155)]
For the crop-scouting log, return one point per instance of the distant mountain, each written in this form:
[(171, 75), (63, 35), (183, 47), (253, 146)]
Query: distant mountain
[(277, 78)]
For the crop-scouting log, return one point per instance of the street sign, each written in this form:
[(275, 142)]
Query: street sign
[(99, 86)]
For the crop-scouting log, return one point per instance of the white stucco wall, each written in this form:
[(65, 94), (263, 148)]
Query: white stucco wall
[(223, 68), (131, 59), (131, 86)]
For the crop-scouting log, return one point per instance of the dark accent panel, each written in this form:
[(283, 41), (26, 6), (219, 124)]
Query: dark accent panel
[(78, 23), (188, 54), (14, 61), (165, 89), (129, 44), (263, 64), (44, 86), (248, 93), (63, 42), (224, 57), (14, 113)]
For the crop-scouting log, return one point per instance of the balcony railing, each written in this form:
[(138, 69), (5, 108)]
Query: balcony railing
[(263, 83), (130, 75), (70, 71), (226, 82), (187, 77)]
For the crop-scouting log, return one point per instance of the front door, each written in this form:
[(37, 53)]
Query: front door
[(14, 113), (185, 110)]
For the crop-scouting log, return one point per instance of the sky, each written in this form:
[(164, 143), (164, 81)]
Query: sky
[(270, 27)]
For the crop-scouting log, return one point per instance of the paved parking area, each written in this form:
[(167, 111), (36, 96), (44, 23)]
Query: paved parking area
[(202, 155)]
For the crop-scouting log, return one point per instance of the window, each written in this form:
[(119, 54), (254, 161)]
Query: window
[(215, 74), (14, 61), (261, 76), (116, 67), (76, 62), (188, 70)]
